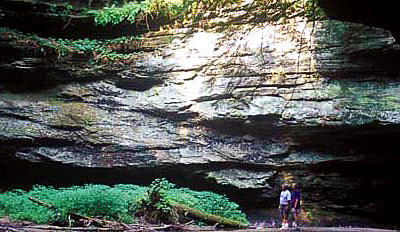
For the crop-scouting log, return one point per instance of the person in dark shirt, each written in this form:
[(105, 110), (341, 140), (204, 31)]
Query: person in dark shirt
[(295, 204)]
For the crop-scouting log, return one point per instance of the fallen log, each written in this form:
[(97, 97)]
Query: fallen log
[(209, 217), (181, 208), (98, 222), (60, 228), (7, 228), (42, 203)]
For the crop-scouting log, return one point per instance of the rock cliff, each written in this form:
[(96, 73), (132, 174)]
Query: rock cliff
[(236, 108)]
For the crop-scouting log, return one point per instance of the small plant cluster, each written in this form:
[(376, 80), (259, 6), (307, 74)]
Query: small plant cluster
[(101, 50), (167, 9), (115, 15), (116, 50), (308, 9), (63, 10), (131, 11), (155, 205), (121, 203)]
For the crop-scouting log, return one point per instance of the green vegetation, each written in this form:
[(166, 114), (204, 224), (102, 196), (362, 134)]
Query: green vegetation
[(101, 50), (131, 11), (303, 8), (115, 15), (162, 196), (190, 9), (167, 9), (281, 10), (104, 51), (92, 200), (63, 10), (120, 203)]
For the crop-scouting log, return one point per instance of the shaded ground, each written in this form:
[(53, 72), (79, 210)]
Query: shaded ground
[(7, 225), (317, 229)]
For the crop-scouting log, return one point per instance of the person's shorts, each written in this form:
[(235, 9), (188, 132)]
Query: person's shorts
[(283, 211)]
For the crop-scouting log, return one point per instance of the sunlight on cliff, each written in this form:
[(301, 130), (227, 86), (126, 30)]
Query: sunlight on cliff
[(282, 54)]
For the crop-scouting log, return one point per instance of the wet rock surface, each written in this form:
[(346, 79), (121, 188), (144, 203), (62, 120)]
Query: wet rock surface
[(237, 112)]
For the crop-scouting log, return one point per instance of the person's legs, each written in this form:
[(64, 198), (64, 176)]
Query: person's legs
[(287, 217), (283, 215), (296, 218), (285, 222)]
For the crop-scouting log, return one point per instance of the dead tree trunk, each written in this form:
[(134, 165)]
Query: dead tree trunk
[(209, 217)]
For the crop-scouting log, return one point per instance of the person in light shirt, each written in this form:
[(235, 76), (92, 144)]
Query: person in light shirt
[(284, 205)]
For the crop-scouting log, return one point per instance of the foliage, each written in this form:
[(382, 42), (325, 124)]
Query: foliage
[(99, 50), (308, 9), (286, 9), (130, 11), (63, 10), (208, 202), (154, 206), (190, 9), (120, 202), (115, 15), (162, 195), (169, 9), (91, 200)]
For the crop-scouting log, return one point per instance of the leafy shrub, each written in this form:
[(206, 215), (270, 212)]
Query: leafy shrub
[(154, 205), (64, 10), (169, 9), (208, 202), (115, 15), (90, 200), (119, 203), (191, 9), (102, 51)]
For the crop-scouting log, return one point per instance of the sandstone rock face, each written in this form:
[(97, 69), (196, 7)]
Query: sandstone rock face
[(243, 109)]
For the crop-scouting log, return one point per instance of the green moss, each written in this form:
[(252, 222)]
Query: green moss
[(72, 114), (373, 96)]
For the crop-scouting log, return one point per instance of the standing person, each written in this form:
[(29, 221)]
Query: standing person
[(295, 204), (284, 205)]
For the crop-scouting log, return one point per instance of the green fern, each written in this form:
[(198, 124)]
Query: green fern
[(118, 203)]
